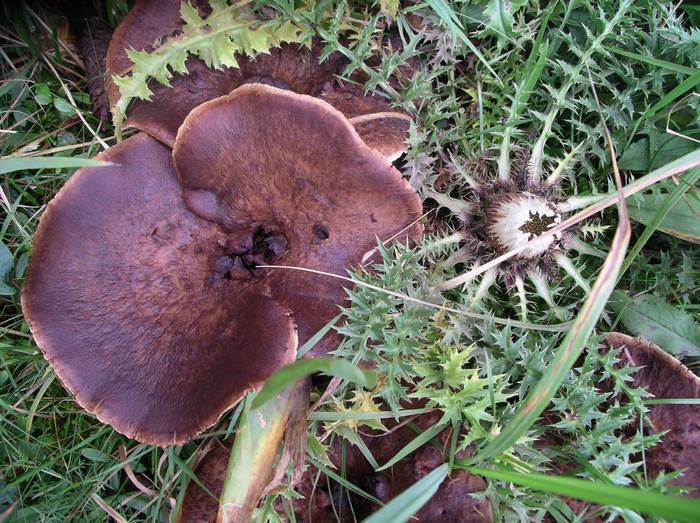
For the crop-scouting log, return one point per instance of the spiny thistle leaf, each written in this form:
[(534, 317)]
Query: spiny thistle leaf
[(215, 39)]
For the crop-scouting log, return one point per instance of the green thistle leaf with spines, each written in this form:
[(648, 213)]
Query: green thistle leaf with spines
[(215, 40)]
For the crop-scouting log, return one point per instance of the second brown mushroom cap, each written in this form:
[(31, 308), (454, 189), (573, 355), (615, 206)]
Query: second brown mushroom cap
[(290, 66)]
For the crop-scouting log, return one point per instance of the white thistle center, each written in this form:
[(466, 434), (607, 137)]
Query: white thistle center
[(519, 218)]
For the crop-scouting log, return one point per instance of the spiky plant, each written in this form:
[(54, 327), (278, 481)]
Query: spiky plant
[(516, 191)]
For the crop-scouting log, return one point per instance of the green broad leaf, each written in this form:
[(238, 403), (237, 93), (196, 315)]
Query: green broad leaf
[(94, 455), (668, 507), (42, 94), (63, 107), (6, 266), (403, 506), (6, 290), (300, 368), (636, 157), (675, 195), (682, 221), (9, 164), (671, 148), (389, 7), (651, 318), (6, 262)]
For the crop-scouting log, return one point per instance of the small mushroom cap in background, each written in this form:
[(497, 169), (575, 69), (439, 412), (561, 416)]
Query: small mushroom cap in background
[(666, 377), (290, 66), (120, 300), (298, 169)]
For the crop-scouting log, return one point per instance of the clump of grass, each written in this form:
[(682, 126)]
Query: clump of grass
[(524, 101)]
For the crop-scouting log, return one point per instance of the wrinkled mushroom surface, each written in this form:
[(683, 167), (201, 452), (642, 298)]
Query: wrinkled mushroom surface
[(154, 314), (310, 185), (666, 377), (119, 299), (290, 66)]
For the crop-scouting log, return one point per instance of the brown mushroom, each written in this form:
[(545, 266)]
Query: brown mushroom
[(309, 185), (156, 317), (119, 298), (290, 66), (666, 377)]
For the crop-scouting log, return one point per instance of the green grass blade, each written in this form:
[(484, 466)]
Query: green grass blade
[(300, 368), (676, 68), (8, 165), (414, 444), (673, 401), (335, 416), (670, 507), (344, 482), (403, 506), (317, 337)]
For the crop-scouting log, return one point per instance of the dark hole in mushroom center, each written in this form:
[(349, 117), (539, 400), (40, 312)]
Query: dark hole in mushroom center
[(320, 230), (266, 246)]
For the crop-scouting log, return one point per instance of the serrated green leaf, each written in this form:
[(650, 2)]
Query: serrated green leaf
[(651, 318), (149, 64), (286, 32), (215, 40), (131, 87), (682, 221), (499, 21), (190, 16)]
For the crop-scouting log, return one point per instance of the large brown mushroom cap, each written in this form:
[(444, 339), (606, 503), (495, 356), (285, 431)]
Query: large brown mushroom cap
[(120, 298), (290, 66), (298, 171)]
